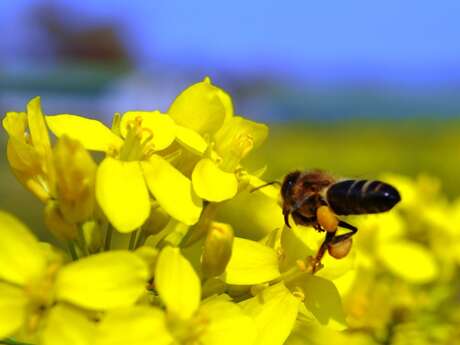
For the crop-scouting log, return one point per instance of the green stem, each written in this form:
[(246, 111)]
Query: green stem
[(82, 241), (140, 239), (199, 230), (108, 238), (291, 274), (9, 341), (132, 239), (72, 251)]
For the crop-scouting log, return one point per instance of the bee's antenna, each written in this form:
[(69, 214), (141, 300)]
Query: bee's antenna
[(265, 185)]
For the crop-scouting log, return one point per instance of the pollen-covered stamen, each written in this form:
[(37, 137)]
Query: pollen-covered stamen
[(245, 144), (138, 141), (242, 145)]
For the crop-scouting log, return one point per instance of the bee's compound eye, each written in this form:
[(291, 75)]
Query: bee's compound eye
[(340, 249), (289, 183)]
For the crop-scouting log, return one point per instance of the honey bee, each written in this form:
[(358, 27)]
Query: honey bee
[(315, 198)]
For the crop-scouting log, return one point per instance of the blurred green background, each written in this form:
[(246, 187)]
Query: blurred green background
[(358, 148)]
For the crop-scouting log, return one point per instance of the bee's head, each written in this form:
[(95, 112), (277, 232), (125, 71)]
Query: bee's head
[(288, 183)]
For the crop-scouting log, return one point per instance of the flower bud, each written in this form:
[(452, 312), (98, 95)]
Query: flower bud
[(340, 249), (217, 249), (29, 158), (92, 231), (57, 225), (75, 178)]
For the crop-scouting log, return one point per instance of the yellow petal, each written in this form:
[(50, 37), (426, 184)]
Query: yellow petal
[(177, 283), (345, 282), (33, 185), (274, 311), (202, 107), (37, 127), (26, 166), (91, 133), (66, 325), (21, 258), (15, 124), (122, 193), (409, 260), (300, 242), (41, 141), (159, 126), (270, 191), (23, 157), (172, 190), (103, 281), (322, 301), (139, 325), (334, 269), (251, 263), (311, 333), (213, 184), (191, 140), (13, 303), (252, 215), (228, 324)]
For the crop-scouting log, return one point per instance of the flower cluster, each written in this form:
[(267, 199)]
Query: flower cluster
[(405, 282), (150, 260), (168, 243)]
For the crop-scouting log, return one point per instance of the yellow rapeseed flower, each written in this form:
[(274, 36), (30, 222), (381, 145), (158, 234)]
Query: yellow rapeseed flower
[(132, 166), (207, 109), (282, 290), (187, 320), (34, 283)]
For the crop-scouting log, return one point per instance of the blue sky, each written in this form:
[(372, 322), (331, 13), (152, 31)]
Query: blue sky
[(389, 40)]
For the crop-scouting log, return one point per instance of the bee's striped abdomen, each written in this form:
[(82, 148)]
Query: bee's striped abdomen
[(361, 196)]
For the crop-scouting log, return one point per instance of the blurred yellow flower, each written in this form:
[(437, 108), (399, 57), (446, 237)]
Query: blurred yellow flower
[(32, 282), (75, 180)]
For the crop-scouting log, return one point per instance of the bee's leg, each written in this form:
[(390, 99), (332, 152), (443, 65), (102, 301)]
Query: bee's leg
[(286, 219), (319, 255), (345, 225), (343, 237)]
